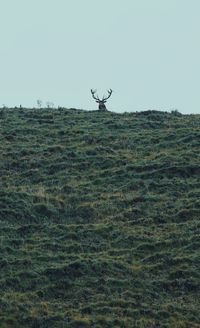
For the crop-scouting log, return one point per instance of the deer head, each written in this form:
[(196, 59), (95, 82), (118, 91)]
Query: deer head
[(102, 101)]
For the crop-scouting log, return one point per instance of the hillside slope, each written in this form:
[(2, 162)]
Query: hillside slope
[(99, 219)]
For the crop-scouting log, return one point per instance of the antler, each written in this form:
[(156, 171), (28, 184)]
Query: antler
[(109, 94), (93, 95)]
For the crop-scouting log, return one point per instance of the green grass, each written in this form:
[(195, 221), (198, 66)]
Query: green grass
[(99, 219)]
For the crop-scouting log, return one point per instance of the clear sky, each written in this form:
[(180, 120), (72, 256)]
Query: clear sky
[(147, 51)]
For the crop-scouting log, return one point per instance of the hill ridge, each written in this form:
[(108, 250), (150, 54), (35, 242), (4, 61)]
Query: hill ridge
[(99, 218)]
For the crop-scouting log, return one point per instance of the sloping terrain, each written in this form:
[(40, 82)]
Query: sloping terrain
[(99, 219)]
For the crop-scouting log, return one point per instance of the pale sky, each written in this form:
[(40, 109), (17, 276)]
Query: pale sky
[(147, 51)]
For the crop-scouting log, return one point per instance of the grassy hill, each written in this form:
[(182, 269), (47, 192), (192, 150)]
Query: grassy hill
[(99, 219)]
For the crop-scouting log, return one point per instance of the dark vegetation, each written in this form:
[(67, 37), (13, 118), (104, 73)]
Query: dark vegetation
[(99, 219)]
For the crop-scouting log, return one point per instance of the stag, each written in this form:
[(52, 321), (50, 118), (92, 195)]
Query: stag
[(101, 102)]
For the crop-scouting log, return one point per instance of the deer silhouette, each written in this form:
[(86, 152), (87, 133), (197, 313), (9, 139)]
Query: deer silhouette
[(101, 102)]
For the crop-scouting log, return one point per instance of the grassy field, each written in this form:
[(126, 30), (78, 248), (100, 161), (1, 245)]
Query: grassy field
[(99, 219)]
